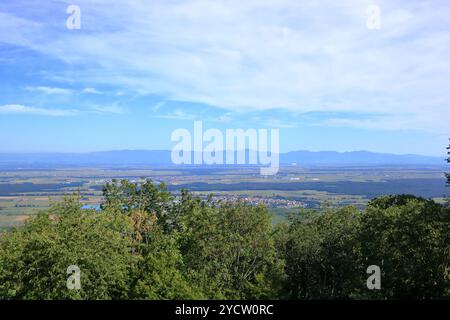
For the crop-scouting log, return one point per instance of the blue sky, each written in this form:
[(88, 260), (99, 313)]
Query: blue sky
[(137, 70)]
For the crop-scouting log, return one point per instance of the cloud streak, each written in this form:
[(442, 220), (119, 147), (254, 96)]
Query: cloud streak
[(49, 90), (24, 110), (300, 56)]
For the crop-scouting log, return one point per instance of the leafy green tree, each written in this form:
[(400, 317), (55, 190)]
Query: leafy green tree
[(145, 243), (34, 258), (120, 256), (321, 253), (158, 274), (229, 251), (408, 238), (125, 197)]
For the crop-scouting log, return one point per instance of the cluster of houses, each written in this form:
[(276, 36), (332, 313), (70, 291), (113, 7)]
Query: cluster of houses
[(271, 202)]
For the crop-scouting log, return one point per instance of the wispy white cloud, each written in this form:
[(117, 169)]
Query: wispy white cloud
[(158, 106), (49, 90), (225, 118), (108, 109), (191, 115), (177, 114), (301, 56), (61, 91), (416, 122), (91, 91), (21, 109)]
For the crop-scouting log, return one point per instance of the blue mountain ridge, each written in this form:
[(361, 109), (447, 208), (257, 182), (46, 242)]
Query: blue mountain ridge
[(163, 157)]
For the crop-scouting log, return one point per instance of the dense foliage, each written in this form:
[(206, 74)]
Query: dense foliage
[(145, 243)]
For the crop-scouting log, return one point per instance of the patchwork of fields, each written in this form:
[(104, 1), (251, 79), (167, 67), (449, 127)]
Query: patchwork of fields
[(25, 192)]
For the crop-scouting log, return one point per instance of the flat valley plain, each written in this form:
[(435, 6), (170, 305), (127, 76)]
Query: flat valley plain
[(23, 192)]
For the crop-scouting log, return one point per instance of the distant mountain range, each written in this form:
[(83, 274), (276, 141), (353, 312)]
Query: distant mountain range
[(163, 157), (356, 157)]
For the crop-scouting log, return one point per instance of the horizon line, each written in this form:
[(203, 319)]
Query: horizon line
[(444, 155)]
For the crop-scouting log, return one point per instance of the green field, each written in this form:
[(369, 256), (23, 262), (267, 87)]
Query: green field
[(25, 192)]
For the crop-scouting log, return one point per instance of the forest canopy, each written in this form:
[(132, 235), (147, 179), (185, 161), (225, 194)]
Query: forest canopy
[(146, 243)]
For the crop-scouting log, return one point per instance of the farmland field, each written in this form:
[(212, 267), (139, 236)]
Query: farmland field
[(25, 192)]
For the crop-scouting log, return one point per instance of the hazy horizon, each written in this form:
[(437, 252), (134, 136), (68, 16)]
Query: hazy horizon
[(443, 155)]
